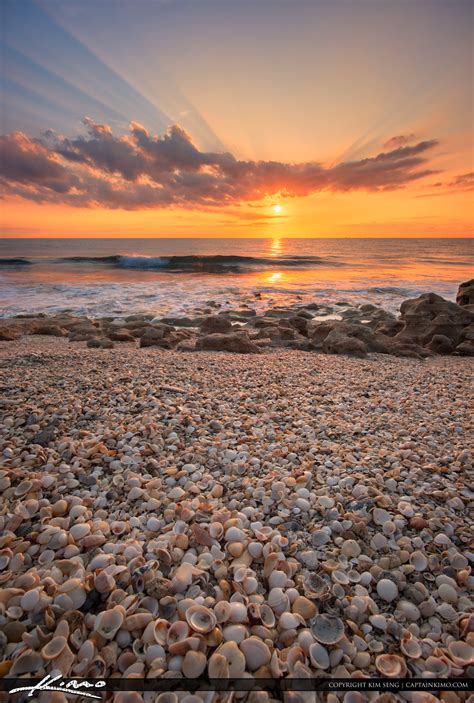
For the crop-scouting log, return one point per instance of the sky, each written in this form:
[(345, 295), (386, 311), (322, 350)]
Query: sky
[(238, 118)]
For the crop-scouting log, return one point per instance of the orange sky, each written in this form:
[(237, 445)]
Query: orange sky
[(356, 119)]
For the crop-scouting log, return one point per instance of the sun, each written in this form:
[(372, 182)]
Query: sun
[(277, 208)]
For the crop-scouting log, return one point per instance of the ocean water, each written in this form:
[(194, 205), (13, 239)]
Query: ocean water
[(100, 277)]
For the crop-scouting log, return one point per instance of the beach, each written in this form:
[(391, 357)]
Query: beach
[(282, 514)]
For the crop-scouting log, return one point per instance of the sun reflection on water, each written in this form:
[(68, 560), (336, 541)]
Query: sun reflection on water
[(276, 246)]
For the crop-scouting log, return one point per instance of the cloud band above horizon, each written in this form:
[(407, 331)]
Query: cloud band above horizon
[(138, 170)]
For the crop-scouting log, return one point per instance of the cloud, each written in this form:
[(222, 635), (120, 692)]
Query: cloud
[(399, 140), (464, 182), (140, 170)]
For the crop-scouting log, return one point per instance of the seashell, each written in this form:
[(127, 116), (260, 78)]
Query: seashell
[(108, 622), (183, 577), (419, 561), (178, 631), (255, 549), (250, 585), (267, 616), (380, 516), (216, 530), (350, 548), (447, 593), (461, 653), (53, 649), (218, 667), (387, 590), (315, 587), (238, 612), (137, 621), (30, 599), (234, 658), (411, 647), (236, 633), (234, 534), (156, 632), (235, 549), (200, 619), (436, 668), (278, 600), (270, 564), (256, 653), (277, 579), (391, 665), (319, 656), (289, 621), (167, 697), (27, 663), (295, 656), (222, 611), (193, 664), (327, 629)]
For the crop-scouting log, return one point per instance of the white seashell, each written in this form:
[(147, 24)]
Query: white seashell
[(233, 534), (419, 561), (350, 548), (278, 600), (80, 530), (447, 593), (277, 579), (319, 656), (193, 664), (236, 633), (238, 612), (108, 622), (256, 653), (200, 619), (234, 659), (30, 600), (290, 621), (387, 590)]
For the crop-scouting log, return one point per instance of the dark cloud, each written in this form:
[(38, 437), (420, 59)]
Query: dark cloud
[(140, 170)]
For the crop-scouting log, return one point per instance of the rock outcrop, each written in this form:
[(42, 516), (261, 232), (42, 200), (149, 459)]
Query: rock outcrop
[(465, 294), (238, 342)]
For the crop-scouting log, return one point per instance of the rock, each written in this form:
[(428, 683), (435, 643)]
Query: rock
[(215, 323), (138, 332), (466, 348), (83, 332), (465, 294), (440, 344), (338, 343), (163, 336), (237, 342), (138, 323), (49, 330), (186, 346), (120, 335), (100, 343), (430, 314), (182, 321), (8, 334)]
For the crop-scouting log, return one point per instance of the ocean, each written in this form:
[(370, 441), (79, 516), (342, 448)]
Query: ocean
[(99, 277)]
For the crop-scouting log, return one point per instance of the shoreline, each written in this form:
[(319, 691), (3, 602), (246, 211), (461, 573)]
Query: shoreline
[(269, 515), (425, 326)]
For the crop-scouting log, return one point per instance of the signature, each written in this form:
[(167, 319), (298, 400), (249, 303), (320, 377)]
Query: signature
[(54, 683)]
